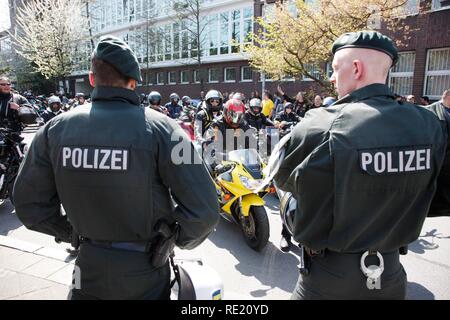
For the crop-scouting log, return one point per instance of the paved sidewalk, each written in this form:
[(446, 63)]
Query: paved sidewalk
[(33, 272)]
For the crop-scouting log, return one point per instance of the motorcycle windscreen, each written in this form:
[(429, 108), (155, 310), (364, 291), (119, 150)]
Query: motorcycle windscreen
[(250, 159)]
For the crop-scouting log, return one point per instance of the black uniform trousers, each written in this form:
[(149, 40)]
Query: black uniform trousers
[(338, 276), (113, 274)]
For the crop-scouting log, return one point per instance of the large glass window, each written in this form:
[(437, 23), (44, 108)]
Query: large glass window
[(230, 75), (172, 76), (402, 75), (440, 4), (246, 74), (184, 75), (214, 75), (437, 77), (224, 37)]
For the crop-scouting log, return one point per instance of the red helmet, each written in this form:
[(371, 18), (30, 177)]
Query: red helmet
[(233, 112)]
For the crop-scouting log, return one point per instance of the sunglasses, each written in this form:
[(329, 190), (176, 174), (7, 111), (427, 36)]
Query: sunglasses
[(215, 101), (5, 84)]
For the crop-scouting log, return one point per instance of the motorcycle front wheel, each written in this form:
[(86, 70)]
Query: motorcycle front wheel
[(255, 228)]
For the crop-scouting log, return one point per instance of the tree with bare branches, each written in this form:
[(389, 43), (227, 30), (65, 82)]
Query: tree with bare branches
[(48, 33)]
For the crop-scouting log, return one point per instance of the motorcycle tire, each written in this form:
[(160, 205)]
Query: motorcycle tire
[(259, 239)]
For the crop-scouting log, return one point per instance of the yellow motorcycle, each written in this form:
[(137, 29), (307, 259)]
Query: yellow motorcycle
[(236, 180)]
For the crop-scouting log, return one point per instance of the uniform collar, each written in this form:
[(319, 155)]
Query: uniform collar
[(115, 94), (373, 90)]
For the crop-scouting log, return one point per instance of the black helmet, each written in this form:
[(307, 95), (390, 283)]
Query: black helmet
[(288, 105), (154, 98), (186, 100), (174, 96), (255, 107), (27, 115), (214, 95)]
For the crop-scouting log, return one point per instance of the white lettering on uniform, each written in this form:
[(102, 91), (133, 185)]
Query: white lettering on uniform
[(77, 158), (106, 154), (401, 157), (380, 162), (96, 158), (421, 159), (391, 169), (125, 160), (115, 160), (66, 155), (428, 159), (409, 167), (85, 160), (366, 160)]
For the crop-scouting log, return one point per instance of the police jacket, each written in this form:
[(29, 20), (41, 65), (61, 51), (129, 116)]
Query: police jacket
[(110, 165), (8, 116), (258, 121), (365, 172)]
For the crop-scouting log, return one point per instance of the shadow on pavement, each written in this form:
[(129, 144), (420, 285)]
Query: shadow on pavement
[(426, 242), (416, 291), (8, 219), (271, 267)]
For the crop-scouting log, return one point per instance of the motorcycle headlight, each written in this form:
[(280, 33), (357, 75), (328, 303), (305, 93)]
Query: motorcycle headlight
[(251, 184)]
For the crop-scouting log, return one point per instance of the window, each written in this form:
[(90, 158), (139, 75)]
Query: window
[(441, 4), (224, 38), (230, 75), (437, 76), (214, 75), (402, 75), (160, 78), (246, 74), (315, 71), (197, 76), (184, 75), (172, 77)]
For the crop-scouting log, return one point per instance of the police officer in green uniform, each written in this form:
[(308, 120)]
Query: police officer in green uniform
[(366, 172), (109, 164)]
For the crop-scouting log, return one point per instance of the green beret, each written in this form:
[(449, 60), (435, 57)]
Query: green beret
[(367, 40), (117, 53)]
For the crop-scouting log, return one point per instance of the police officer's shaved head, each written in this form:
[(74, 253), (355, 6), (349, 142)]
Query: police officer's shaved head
[(355, 68), (361, 59), (446, 98)]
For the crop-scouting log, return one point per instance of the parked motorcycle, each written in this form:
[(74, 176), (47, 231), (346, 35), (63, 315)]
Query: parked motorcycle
[(12, 152)]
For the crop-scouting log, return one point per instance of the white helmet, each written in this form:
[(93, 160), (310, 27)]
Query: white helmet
[(54, 99), (196, 281)]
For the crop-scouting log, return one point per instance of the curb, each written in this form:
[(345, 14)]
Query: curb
[(46, 252)]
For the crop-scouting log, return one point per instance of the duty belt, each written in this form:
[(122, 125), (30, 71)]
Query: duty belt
[(143, 247)]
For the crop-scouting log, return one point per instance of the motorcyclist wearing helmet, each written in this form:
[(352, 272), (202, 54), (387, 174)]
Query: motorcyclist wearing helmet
[(187, 117), (188, 113), (53, 110), (232, 120), (254, 116), (210, 109), (80, 100), (154, 102), (287, 118), (173, 106)]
